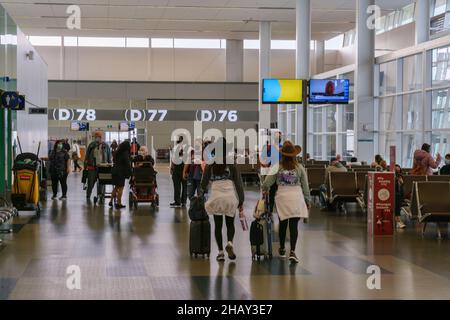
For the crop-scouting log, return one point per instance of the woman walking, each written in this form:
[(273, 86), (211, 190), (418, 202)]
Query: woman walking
[(292, 199), (121, 171), (59, 169), (227, 195)]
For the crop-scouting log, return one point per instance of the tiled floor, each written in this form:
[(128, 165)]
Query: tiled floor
[(143, 254)]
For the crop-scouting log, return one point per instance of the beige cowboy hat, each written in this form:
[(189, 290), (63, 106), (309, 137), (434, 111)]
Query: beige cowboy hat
[(289, 150)]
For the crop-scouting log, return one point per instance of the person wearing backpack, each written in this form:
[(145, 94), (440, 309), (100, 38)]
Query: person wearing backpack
[(59, 169), (293, 197), (227, 195)]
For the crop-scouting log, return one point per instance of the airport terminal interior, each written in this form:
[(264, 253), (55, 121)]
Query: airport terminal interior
[(335, 115)]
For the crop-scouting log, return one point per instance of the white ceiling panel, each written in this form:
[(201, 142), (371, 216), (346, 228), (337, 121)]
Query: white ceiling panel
[(193, 18)]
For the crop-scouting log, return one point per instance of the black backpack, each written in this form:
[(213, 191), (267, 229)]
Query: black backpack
[(197, 211)]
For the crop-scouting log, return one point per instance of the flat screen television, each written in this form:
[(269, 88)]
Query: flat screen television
[(79, 126), (282, 91), (127, 126), (335, 91)]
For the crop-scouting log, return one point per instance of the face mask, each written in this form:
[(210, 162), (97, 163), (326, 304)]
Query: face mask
[(447, 161), (98, 139), (59, 147)]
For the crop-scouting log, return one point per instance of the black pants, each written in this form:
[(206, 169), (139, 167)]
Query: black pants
[(272, 193), (180, 188), (218, 223), (293, 231), (63, 181), (76, 165), (92, 179)]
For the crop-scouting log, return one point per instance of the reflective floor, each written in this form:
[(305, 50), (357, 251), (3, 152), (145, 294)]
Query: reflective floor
[(143, 254)]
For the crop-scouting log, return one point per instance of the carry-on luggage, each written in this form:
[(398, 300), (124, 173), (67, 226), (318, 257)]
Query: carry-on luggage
[(197, 211), (200, 238), (261, 235)]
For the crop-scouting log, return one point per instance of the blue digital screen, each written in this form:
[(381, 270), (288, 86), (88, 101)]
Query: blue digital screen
[(336, 91), (79, 126), (127, 126)]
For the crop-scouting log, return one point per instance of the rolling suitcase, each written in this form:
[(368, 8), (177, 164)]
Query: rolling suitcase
[(200, 238), (261, 235)]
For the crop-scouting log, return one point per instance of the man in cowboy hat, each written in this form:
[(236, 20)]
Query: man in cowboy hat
[(97, 152)]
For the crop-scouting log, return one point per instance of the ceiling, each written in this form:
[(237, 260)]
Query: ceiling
[(227, 19)]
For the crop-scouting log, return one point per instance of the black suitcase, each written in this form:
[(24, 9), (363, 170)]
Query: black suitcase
[(200, 238)]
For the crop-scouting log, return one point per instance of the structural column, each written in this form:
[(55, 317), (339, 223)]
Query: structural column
[(302, 63), (364, 82), (422, 21), (264, 71), (320, 56), (235, 61)]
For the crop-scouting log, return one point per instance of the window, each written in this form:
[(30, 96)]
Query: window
[(408, 14), (197, 43), (138, 43), (335, 43), (101, 42), (70, 41), (251, 44), (388, 78), (440, 109), (45, 41), (162, 43), (412, 105), (440, 66), (412, 72), (284, 44), (8, 39), (440, 7)]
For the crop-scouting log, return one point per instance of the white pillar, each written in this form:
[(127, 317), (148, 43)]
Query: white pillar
[(235, 61), (364, 82), (264, 71), (320, 56), (422, 21), (302, 61)]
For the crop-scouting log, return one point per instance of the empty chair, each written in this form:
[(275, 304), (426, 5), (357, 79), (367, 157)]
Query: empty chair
[(321, 162), (431, 203), (444, 178), (343, 188), (316, 177), (408, 184), (322, 166)]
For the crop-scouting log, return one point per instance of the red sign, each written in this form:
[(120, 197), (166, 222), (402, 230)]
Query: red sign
[(392, 155), (381, 203), (25, 178)]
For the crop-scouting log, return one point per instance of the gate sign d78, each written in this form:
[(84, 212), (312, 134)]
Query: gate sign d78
[(75, 114)]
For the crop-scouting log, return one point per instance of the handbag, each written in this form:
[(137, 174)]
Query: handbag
[(260, 209)]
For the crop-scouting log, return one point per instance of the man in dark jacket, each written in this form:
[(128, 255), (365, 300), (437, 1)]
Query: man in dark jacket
[(176, 170), (445, 170), (98, 152)]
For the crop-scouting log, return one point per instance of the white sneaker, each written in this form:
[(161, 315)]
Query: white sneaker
[(401, 225)]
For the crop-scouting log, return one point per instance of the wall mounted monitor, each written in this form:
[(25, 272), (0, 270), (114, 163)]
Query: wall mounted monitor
[(127, 126), (336, 91), (79, 126), (282, 91)]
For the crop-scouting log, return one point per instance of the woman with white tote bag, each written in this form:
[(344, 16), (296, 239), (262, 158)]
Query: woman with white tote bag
[(227, 196), (293, 198)]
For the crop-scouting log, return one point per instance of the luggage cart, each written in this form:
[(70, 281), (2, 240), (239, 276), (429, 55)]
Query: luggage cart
[(104, 176)]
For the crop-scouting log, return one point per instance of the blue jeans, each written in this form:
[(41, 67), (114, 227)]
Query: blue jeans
[(193, 186)]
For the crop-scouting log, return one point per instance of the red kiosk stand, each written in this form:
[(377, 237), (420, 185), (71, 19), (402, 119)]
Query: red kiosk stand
[(381, 203)]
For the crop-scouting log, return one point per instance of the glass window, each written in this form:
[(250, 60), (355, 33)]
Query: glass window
[(101, 42), (284, 44), (387, 139), (45, 41), (335, 43), (317, 149), (408, 14), (412, 110), (317, 119), (331, 145), (380, 25), (387, 114), (251, 44), (349, 118), (197, 43), (331, 118), (441, 109), (162, 43), (440, 143), (440, 6), (410, 143), (440, 66), (388, 78), (138, 42), (412, 73), (70, 41)]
